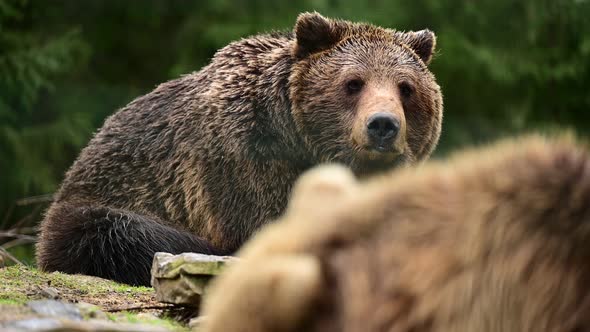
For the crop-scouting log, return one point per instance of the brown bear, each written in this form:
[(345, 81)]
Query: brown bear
[(492, 240), (203, 161)]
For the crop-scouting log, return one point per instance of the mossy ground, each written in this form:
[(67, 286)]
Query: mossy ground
[(20, 284)]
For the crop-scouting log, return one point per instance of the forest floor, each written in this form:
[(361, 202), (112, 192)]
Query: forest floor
[(23, 289)]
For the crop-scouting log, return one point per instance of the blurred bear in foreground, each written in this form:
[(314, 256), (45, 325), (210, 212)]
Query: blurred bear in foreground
[(495, 239)]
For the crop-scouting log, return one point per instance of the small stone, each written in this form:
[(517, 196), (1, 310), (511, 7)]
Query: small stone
[(50, 293)]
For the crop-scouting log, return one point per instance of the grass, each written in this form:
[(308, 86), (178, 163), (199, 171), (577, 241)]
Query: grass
[(10, 302), (15, 278), (134, 318)]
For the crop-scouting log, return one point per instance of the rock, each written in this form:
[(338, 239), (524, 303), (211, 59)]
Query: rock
[(182, 279), (59, 325), (53, 308), (32, 324), (50, 293), (166, 265)]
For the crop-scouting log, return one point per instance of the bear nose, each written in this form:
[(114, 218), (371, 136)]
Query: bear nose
[(382, 126)]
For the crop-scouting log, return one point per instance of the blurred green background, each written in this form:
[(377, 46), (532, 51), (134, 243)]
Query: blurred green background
[(505, 66)]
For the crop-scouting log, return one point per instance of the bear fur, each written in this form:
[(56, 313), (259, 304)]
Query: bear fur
[(203, 161), (496, 239)]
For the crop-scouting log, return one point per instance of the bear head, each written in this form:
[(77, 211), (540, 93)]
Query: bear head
[(363, 95)]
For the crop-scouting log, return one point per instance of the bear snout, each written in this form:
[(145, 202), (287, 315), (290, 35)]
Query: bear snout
[(382, 129)]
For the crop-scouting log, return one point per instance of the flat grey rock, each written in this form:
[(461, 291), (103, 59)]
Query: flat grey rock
[(54, 308), (59, 325), (183, 279)]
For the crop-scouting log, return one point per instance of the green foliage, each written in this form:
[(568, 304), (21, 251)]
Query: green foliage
[(33, 136), (505, 66), (510, 66)]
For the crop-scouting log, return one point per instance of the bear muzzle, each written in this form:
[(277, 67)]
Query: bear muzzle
[(379, 127), (382, 131)]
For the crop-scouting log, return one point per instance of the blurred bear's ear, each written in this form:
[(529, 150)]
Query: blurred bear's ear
[(422, 42), (314, 33)]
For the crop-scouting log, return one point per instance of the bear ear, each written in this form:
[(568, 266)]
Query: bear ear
[(314, 33), (422, 42)]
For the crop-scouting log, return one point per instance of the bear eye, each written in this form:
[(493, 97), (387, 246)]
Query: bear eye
[(354, 86), (406, 89)]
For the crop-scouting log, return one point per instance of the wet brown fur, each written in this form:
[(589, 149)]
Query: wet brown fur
[(203, 161), (496, 239)]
